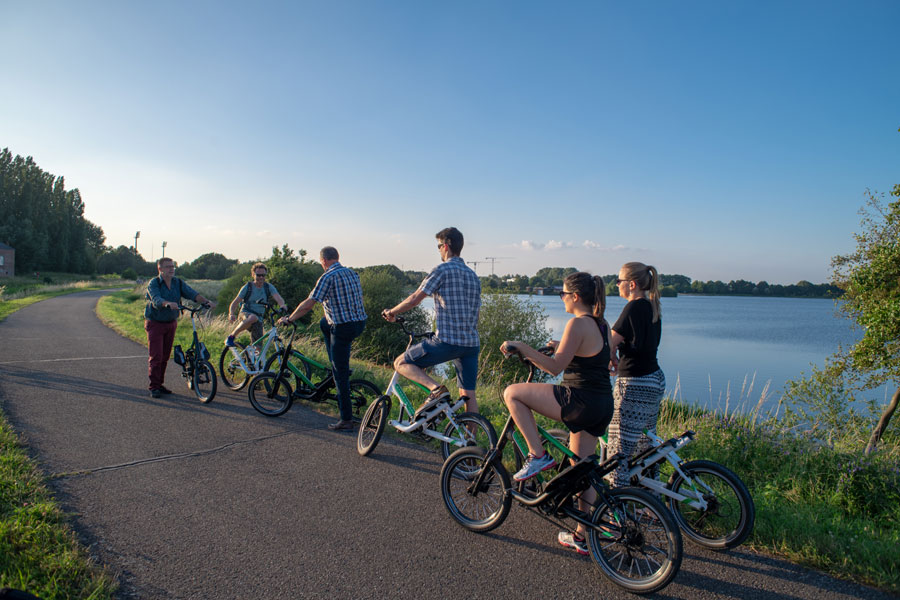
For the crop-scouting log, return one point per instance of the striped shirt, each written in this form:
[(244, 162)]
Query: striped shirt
[(340, 293), (456, 290)]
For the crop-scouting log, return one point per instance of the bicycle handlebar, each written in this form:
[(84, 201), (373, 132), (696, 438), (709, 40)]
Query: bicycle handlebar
[(402, 322)]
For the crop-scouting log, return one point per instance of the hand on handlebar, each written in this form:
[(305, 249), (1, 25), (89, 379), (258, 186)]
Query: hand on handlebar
[(391, 317), (510, 348)]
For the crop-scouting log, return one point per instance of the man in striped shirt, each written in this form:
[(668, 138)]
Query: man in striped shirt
[(456, 290), (340, 293)]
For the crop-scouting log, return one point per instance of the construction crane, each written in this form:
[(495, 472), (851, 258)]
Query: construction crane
[(494, 259), (475, 264)]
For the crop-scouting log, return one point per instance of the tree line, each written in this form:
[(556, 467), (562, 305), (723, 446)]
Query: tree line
[(670, 285), (43, 221)]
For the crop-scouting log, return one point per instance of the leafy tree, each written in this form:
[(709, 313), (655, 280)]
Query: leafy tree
[(116, 260), (291, 274), (505, 317), (209, 266), (870, 278), (384, 287)]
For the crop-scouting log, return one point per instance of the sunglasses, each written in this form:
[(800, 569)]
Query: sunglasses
[(618, 281), (260, 274), (561, 294)]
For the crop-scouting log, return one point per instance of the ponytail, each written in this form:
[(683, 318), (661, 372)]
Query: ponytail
[(647, 279), (599, 298), (653, 292)]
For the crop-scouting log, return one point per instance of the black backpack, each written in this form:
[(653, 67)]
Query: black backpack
[(249, 286)]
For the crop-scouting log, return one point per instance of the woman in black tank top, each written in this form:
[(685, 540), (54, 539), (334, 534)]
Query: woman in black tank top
[(583, 400)]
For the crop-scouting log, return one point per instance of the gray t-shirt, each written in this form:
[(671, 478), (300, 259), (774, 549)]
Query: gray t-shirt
[(257, 295)]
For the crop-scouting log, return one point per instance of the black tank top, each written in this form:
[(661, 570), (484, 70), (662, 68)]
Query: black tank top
[(590, 372)]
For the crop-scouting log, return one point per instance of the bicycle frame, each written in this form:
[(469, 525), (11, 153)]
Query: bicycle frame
[(552, 496), (658, 451)]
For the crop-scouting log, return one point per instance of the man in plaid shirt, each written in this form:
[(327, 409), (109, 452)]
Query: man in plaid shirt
[(456, 290), (340, 293)]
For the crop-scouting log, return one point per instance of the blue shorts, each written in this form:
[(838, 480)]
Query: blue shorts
[(432, 352)]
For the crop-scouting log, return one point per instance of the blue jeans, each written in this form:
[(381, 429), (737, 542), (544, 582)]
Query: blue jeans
[(338, 339)]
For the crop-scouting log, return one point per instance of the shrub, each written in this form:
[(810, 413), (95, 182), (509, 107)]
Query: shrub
[(382, 341), (505, 317), (129, 273)]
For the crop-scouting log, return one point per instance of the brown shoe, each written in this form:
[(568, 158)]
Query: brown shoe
[(341, 425), (436, 396)]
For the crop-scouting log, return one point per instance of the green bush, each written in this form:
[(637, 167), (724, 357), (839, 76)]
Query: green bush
[(382, 341), (504, 317), (292, 275), (129, 273)]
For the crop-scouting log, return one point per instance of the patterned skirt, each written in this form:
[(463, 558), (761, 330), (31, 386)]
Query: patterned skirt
[(637, 401)]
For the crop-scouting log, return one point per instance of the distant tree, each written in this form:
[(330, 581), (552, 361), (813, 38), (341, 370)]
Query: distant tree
[(384, 287), (116, 260), (209, 266), (870, 278)]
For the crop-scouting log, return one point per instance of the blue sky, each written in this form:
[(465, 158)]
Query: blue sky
[(720, 140)]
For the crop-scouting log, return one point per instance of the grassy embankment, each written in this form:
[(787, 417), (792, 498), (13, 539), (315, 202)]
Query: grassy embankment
[(19, 292), (38, 551), (824, 505)]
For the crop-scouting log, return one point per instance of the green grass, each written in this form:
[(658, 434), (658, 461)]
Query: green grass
[(823, 505), (19, 292), (817, 504), (38, 551)]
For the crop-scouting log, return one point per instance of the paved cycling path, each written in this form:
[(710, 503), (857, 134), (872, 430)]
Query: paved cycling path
[(186, 500)]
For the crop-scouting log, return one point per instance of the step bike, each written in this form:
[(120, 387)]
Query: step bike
[(194, 362), (462, 428), (240, 363), (271, 393), (630, 534)]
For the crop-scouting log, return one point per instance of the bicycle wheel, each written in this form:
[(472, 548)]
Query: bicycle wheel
[(730, 513), (264, 400), (471, 429), (273, 363), (481, 511), (372, 425), (634, 540), (230, 370), (204, 381), (362, 393)]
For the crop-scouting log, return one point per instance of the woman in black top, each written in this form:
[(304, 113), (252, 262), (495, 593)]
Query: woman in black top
[(583, 401), (640, 383)]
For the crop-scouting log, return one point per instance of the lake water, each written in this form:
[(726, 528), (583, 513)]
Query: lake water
[(724, 350)]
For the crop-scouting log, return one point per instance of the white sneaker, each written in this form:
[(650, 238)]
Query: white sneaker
[(534, 465), (568, 539)]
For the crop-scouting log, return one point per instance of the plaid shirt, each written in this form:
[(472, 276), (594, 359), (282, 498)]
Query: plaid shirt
[(456, 290), (340, 293)]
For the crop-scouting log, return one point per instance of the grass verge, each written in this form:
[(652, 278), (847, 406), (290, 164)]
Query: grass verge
[(38, 551)]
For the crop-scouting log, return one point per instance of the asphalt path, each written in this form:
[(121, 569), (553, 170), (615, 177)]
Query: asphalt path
[(186, 500)]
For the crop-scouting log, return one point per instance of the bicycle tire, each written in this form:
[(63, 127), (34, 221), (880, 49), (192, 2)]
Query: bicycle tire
[(635, 540), (490, 507), (259, 393), (485, 436), (372, 426), (230, 370), (274, 364), (362, 393), (730, 514), (205, 381)]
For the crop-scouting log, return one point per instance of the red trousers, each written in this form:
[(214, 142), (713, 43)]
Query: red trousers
[(160, 336)]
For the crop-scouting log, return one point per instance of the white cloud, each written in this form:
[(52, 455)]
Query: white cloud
[(595, 246), (555, 245)]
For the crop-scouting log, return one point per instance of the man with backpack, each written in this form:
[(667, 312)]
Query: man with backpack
[(164, 294), (250, 296)]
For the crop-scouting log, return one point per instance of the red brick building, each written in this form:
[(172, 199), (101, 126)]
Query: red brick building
[(7, 260)]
